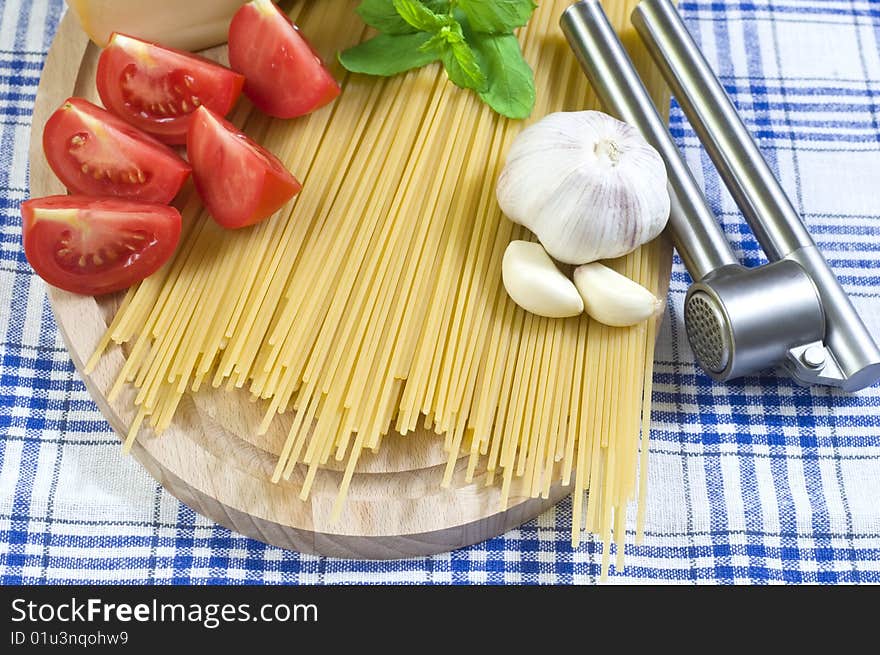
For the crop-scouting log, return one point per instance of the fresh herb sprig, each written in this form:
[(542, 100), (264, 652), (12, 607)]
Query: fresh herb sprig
[(473, 39)]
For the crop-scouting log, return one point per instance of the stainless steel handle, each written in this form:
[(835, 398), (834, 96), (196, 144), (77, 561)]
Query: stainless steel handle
[(696, 233), (774, 221)]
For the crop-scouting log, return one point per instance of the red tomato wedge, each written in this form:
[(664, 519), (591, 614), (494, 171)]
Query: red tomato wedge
[(285, 76), (156, 89), (97, 245), (94, 153), (240, 182)]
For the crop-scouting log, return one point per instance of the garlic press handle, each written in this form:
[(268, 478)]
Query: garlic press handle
[(697, 235), (766, 208)]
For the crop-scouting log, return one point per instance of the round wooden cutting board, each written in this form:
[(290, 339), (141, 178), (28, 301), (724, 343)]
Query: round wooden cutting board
[(210, 457)]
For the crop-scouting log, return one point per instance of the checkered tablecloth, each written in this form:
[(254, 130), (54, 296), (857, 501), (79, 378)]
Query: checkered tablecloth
[(754, 481)]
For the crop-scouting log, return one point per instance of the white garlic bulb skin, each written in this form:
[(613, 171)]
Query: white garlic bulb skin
[(588, 185)]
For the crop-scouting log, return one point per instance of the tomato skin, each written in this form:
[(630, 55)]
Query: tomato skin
[(97, 245), (156, 89), (80, 134), (240, 182), (285, 77)]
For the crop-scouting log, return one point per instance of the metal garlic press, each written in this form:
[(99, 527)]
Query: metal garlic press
[(791, 312)]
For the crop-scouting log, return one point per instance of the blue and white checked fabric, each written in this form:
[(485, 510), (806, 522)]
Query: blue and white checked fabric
[(755, 481)]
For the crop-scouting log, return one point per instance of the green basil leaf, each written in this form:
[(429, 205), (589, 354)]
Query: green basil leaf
[(462, 66), (497, 16), (389, 54), (437, 43), (472, 38), (418, 15), (460, 61), (382, 15), (511, 84)]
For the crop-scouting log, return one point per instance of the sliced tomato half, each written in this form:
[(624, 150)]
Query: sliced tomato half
[(285, 77), (240, 182), (94, 153), (97, 245), (156, 89)]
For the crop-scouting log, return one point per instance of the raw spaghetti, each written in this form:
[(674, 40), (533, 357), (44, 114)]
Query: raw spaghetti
[(373, 301)]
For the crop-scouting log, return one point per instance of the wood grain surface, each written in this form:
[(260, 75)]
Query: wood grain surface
[(211, 458)]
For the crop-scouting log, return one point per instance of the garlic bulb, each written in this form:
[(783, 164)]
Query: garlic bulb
[(589, 186), (535, 284), (612, 298)]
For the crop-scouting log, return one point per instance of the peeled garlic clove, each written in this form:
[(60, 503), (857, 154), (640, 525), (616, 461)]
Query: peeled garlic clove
[(589, 186), (535, 284), (612, 298)]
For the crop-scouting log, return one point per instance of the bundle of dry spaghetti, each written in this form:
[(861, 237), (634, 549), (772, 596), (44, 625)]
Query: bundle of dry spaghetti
[(374, 302)]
